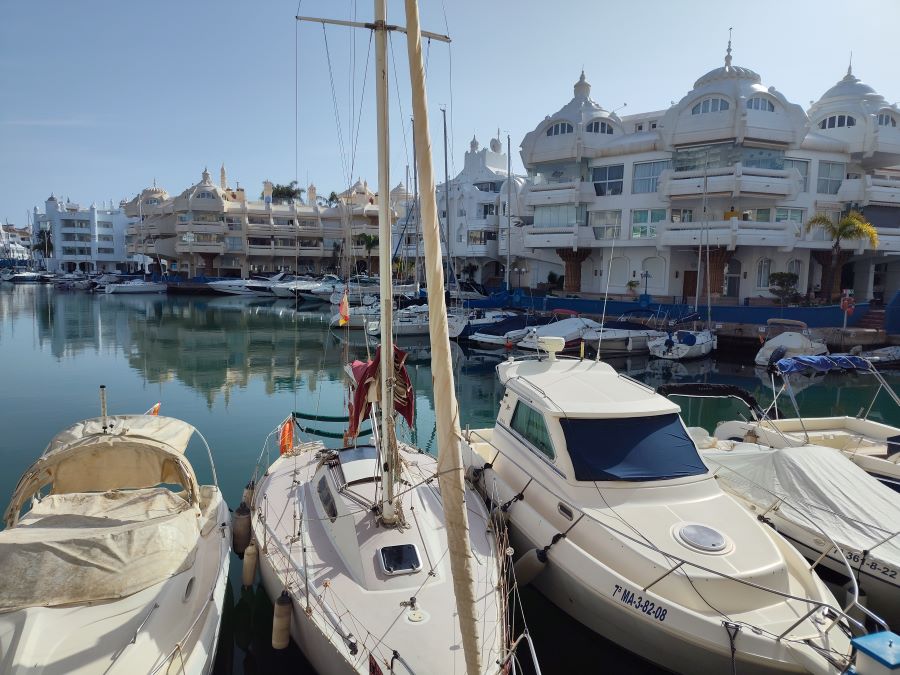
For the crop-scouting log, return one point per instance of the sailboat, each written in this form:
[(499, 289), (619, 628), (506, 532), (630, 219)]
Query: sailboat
[(369, 546)]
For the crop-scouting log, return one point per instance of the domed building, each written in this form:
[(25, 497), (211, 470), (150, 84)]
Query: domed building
[(626, 202)]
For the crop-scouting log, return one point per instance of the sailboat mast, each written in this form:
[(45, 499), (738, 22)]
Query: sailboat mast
[(446, 190), (700, 270), (416, 205), (388, 439), (451, 477), (508, 210)]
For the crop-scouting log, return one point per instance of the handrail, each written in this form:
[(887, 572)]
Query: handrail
[(816, 603)]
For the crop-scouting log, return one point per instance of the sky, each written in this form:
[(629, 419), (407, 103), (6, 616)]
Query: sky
[(102, 97)]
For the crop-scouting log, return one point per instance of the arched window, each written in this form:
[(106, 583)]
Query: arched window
[(837, 121), (598, 127), (560, 128), (709, 105), (796, 267), (763, 269), (886, 120), (760, 103)]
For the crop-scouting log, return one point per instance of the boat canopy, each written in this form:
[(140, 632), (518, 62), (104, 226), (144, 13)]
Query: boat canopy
[(708, 390), (822, 364), (645, 448)]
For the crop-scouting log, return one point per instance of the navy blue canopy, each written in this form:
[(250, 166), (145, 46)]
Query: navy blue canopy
[(631, 448), (822, 364)]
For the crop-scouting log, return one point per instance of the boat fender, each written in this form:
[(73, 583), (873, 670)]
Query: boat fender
[(529, 565), (505, 507), (248, 572), (247, 497), (240, 529), (281, 621)]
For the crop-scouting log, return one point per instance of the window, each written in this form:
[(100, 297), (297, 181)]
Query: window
[(480, 237), (400, 559), (795, 267), (763, 269), (207, 218), (761, 215), (643, 222), (234, 243), (831, 174), (493, 186), (762, 158), (599, 127), (606, 224), (652, 125), (204, 195), (258, 220), (327, 499), (530, 425), (151, 201), (105, 237), (760, 103), (608, 179), (646, 176), (107, 251), (802, 166), (886, 120), (488, 210), (560, 128), (560, 215), (709, 105), (284, 222), (682, 215), (104, 225), (792, 215), (185, 217), (837, 121), (638, 127)]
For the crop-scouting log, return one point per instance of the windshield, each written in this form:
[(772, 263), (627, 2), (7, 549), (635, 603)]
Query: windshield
[(631, 448)]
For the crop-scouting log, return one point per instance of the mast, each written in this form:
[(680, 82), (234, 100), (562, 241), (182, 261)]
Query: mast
[(388, 439), (416, 204), (508, 209), (700, 270), (451, 478), (446, 186)]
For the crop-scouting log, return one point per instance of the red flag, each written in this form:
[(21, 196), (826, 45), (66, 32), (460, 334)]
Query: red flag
[(374, 668), (154, 410), (344, 309), (286, 441)]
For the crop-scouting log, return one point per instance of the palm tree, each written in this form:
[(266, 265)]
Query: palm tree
[(851, 226), (289, 191), (370, 241)]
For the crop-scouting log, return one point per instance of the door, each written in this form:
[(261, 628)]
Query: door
[(689, 288)]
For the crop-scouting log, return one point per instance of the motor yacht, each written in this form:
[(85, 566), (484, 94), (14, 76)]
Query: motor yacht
[(572, 331), (785, 338), (616, 519), (117, 559), (136, 286)]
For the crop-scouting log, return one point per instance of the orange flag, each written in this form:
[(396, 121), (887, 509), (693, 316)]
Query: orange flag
[(345, 309), (286, 441), (154, 410)]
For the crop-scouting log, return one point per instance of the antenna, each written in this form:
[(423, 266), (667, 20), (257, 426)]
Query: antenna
[(613, 112)]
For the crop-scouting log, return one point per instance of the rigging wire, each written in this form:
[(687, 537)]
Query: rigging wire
[(334, 103)]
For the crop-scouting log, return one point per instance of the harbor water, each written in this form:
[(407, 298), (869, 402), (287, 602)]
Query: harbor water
[(236, 367)]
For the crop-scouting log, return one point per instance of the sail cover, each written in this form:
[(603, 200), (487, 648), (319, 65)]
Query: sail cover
[(366, 373), (631, 448)]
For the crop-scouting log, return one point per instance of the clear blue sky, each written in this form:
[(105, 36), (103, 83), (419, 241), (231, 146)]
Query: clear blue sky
[(99, 97)]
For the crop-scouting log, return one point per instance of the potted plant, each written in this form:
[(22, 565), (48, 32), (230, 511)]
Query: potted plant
[(632, 286)]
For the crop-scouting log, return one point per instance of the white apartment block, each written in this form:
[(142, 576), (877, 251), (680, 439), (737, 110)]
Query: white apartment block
[(85, 240), (215, 230), (613, 198)]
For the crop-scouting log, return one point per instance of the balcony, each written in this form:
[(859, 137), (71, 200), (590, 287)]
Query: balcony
[(728, 233), (200, 228), (550, 237), (868, 190), (199, 247), (736, 181)]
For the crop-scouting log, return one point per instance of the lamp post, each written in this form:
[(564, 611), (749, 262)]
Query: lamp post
[(189, 239), (520, 271), (645, 275)]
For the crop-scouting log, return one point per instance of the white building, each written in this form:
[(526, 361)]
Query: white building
[(89, 240), (616, 197), (15, 243)]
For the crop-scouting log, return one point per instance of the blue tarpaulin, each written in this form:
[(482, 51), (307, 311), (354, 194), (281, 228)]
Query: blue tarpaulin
[(631, 448), (822, 364)]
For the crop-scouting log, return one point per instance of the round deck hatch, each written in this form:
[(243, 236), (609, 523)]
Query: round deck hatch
[(702, 538)]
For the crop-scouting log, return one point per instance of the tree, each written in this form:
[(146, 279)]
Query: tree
[(289, 191), (43, 243), (332, 199), (370, 241), (783, 285), (851, 226)]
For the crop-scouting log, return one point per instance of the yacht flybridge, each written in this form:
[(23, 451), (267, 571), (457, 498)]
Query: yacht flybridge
[(617, 520)]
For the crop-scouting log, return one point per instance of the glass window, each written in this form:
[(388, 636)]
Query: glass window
[(886, 120), (831, 174), (837, 121), (606, 224), (802, 166), (599, 127), (762, 158), (530, 425), (643, 222), (327, 499), (645, 448), (762, 215), (608, 179), (710, 105), (760, 103), (795, 267), (711, 156), (560, 128), (646, 176), (763, 269), (558, 215), (682, 215), (487, 210), (793, 215)]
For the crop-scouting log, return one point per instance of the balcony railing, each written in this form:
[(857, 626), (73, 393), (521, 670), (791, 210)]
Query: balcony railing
[(734, 180)]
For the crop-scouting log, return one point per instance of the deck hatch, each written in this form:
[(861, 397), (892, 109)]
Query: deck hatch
[(400, 559)]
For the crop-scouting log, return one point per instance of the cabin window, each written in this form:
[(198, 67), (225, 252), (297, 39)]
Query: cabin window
[(530, 425), (327, 499), (709, 105), (644, 449), (760, 103)]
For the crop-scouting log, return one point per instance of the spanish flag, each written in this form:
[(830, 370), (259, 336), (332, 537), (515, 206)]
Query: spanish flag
[(154, 410), (286, 440), (345, 309)]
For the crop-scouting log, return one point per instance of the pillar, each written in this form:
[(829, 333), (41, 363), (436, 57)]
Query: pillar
[(573, 260)]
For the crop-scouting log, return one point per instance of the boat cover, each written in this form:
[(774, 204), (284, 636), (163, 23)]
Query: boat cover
[(822, 364), (631, 448), (847, 503), (90, 547)]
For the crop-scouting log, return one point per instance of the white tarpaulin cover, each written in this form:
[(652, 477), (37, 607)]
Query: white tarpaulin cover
[(847, 503), (82, 547)]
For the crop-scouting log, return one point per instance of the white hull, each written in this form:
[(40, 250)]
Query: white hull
[(619, 341), (675, 349), (794, 344), (139, 287)]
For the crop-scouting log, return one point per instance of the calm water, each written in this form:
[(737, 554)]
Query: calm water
[(236, 367)]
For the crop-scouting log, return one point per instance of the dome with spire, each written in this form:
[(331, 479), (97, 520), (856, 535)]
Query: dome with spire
[(582, 107), (727, 72)]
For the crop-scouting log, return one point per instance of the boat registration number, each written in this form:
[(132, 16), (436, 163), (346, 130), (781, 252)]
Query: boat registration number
[(639, 603), (857, 558)]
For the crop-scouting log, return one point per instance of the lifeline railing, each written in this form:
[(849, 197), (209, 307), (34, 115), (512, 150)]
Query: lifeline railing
[(816, 604)]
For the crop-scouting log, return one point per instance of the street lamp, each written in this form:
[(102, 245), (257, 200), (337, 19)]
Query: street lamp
[(520, 271), (645, 275), (189, 238)]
